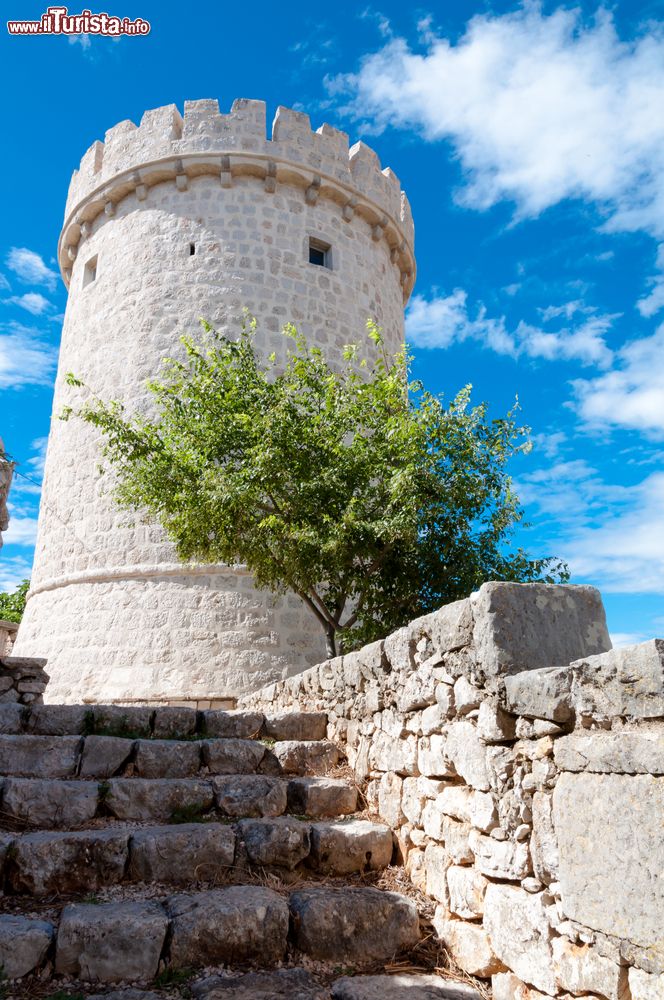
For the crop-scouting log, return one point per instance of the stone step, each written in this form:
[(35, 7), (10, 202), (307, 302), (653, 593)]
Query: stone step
[(163, 722), (298, 984), (51, 804), (64, 863), (37, 756), (130, 941)]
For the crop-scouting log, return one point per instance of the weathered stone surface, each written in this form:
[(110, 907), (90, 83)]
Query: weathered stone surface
[(466, 892), (432, 761), (321, 797), (455, 837), (143, 799), (507, 986), (11, 718), (233, 925), (172, 722), (523, 626), (494, 724), (359, 926), (50, 863), (240, 724), (231, 756), (466, 696), (110, 942), (250, 795), (626, 681), (616, 753), (23, 944), (130, 721), (350, 846), (466, 751), (167, 758), (390, 789), (49, 804), (295, 726), (581, 969), (543, 843), (467, 944), (39, 756), (644, 986), (57, 720), (180, 854), (595, 818), (401, 987), (500, 858), (307, 756), (284, 984), (436, 864), (389, 753), (284, 841), (450, 627), (104, 756), (541, 694), (520, 934)]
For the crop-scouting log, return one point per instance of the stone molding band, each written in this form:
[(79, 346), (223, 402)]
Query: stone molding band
[(225, 165), (137, 572)]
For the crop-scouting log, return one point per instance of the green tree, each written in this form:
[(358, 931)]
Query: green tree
[(12, 606), (361, 492)]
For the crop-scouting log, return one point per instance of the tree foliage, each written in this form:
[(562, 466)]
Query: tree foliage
[(12, 606), (358, 490)]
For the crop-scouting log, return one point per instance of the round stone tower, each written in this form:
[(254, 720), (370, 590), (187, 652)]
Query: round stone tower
[(178, 219)]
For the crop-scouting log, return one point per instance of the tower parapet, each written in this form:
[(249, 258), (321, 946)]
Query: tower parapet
[(179, 218), (169, 147)]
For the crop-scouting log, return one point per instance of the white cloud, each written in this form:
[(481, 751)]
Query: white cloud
[(25, 359), (619, 639), (4, 284), (83, 40), (33, 302), (444, 320), (22, 530), (13, 571), (30, 268), (539, 109), (654, 301), (631, 396)]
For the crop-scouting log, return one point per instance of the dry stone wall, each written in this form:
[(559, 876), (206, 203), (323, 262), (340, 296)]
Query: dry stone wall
[(22, 680), (521, 762)]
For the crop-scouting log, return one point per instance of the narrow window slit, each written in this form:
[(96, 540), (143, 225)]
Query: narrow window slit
[(192, 249), (90, 272)]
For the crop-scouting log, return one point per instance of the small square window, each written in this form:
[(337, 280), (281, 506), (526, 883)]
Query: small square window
[(319, 253), (90, 272), (192, 249)]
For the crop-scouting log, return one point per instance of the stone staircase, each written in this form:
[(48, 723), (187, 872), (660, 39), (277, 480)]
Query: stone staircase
[(168, 852)]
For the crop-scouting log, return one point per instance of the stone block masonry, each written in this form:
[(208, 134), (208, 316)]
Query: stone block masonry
[(520, 760), (181, 217), (23, 680)]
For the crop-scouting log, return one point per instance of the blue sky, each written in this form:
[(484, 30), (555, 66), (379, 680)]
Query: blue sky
[(530, 140)]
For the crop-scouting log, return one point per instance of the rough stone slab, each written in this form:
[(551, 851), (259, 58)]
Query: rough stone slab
[(11, 718), (494, 725), (143, 799), (468, 944), (238, 724), (57, 720), (131, 721), (295, 726), (283, 842), (644, 986), (611, 753), (401, 987), (54, 863), (110, 942), (520, 934), (450, 627), (541, 694), (626, 681), (231, 756), (39, 756), (524, 626), (167, 758), (507, 986), (23, 944), (351, 846), (173, 722), (104, 756), (466, 751), (353, 925), (49, 804), (609, 833), (284, 984), (307, 756), (455, 837), (177, 855), (321, 797), (581, 969), (230, 925), (432, 760), (500, 858), (543, 844), (250, 795), (466, 887), (436, 864)]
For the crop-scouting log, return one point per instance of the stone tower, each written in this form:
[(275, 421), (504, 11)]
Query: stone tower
[(181, 218)]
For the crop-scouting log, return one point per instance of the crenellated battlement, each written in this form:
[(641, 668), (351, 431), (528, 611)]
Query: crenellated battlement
[(168, 146)]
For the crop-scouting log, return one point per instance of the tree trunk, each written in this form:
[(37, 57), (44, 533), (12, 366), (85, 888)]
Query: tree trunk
[(330, 642)]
